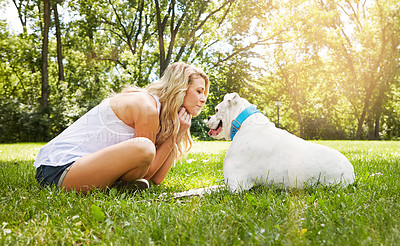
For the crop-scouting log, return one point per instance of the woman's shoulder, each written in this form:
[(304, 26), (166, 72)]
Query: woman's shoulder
[(129, 107), (139, 99)]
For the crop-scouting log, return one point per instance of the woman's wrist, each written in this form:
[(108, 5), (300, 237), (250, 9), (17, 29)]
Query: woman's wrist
[(170, 143)]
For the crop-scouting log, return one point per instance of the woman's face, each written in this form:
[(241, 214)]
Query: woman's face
[(195, 96)]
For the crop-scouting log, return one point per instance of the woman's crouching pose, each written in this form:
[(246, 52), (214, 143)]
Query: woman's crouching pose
[(133, 136)]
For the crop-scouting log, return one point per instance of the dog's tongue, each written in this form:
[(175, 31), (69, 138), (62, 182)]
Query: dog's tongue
[(214, 132)]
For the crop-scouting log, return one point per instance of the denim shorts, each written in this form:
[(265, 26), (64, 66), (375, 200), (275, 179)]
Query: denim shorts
[(52, 175)]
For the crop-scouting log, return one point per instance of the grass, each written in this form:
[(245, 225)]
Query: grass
[(366, 213)]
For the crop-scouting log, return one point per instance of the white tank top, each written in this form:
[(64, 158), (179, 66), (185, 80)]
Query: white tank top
[(97, 129)]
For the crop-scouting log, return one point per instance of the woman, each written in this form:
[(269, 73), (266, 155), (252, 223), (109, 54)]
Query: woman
[(134, 136)]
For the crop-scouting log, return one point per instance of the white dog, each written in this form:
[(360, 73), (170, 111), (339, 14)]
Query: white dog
[(260, 153)]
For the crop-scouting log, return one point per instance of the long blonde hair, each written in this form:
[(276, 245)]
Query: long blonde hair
[(171, 89)]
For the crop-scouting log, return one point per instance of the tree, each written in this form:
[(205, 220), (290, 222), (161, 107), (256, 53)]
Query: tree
[(333, 63), (356, 41), (185, 19), (169, 31), (368, 53), (24, 8), (59, 43), (44, 100)]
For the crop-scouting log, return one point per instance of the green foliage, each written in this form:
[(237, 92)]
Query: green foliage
[(21, 123), (366, 213), (334, 60), (334, 65)]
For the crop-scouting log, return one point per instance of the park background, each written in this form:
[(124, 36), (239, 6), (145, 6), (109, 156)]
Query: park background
[(332, 64)]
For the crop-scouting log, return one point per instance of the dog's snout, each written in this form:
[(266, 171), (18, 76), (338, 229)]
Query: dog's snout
[(209, 117)]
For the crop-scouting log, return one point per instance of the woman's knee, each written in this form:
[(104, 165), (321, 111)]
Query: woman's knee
[(145, 149)]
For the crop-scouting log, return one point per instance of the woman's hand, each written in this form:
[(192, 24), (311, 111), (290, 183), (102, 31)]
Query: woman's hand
[(185, 120)]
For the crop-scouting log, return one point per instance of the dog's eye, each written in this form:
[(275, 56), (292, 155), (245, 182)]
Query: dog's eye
[(216, 110)]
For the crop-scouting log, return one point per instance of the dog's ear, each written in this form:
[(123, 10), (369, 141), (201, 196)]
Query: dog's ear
[(231, 98)]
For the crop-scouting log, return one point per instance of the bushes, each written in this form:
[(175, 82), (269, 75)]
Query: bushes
[(323, 128), (22, 123)]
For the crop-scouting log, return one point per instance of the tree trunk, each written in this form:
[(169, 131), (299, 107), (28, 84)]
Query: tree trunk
[(22, 13), (59, 44), (160, 28), (44, 100), (383, 88), (360, 124), (377, 126)]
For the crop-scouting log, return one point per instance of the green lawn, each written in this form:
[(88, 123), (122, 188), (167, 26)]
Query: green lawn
[(366, 213)]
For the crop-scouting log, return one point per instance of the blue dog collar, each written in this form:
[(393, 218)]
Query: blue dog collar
[(237, 123)]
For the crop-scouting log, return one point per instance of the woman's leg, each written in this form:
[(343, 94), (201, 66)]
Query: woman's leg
[(104, 167)]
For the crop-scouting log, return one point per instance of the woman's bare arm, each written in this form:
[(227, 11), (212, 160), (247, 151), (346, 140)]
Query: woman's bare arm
[(165, 154), (162, 162)]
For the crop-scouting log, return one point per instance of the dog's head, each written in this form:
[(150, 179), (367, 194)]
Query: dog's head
[(225, 112)]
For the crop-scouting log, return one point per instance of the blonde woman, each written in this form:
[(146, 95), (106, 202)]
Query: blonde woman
[(133, 136)]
